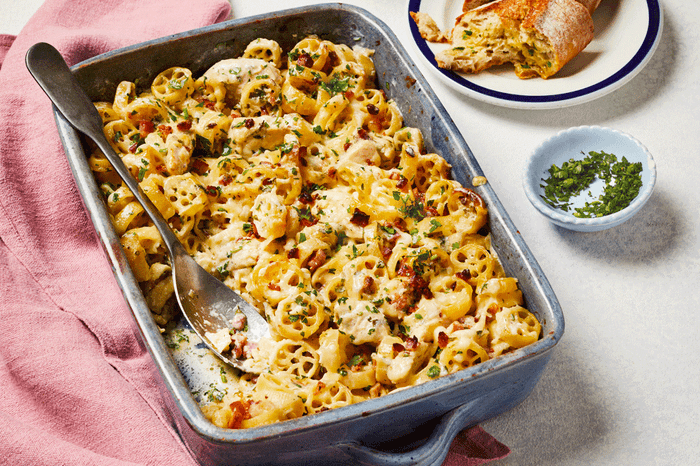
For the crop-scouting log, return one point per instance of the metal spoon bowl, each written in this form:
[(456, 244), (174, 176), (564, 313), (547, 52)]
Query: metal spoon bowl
[(208, 305)]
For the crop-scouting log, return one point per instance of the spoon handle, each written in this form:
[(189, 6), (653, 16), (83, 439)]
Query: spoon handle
[(51, 72)]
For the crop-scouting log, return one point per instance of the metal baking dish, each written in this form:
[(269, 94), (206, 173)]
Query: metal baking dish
[(413, 426)]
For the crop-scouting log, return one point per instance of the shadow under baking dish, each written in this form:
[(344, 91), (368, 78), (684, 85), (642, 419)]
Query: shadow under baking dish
[(412, 426)]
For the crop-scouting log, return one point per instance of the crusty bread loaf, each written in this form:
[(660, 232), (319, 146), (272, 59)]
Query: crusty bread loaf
[(538, 36), (471, 4)]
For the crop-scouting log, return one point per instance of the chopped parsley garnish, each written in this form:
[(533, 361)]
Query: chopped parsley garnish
[(622, 179), (433, 372), (336, 85)]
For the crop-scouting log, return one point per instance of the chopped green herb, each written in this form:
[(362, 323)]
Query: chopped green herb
[(622, 179), (433, 372)]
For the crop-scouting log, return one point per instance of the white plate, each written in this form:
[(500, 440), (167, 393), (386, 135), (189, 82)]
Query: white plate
[(626, 34)]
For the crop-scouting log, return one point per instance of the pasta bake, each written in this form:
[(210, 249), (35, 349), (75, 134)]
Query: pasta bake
[(293, 179)]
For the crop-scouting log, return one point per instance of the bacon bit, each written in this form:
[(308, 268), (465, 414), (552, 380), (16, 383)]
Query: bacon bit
[(411, 343), (417, 284), (306, 219), (331, 172), (431, 211), (331, 62), (254, 231), (362, 133), (359, 218), (368, 285), (401, 303), (226, 180), (387, 251), (305, 197), (409, 81), (133, 147), (145, 128), (239, 321), (240, 410), (305, 60), (238, 344), (402, 183), (348, 95), (317, 259), (319, 387), (464, 275), (161, 168), (346, 146), (184, 125), (443, 340), (267, 181), (249, 123), (307, 222), (372, 109), (491, 311), (274, 287), (293, 253), (165, 130), (398, 348), (376, 390), (404, 269), (376, 123), (469, 197), (212, 191), (199, 166)]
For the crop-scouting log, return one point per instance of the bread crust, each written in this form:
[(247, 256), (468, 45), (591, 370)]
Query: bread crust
[(591, 5), (567, 25), (527, 32)]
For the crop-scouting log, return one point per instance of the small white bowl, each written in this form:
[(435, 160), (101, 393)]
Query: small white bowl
[(569, 144)]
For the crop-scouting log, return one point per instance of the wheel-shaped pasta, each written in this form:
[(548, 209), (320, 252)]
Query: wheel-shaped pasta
[(265, 49), (516, 326), (121, 135), (474, 264), (298, 316), (185, 194), (107, 112), (275, 278), (310, 53), (260, 97), (462, 351), (173, 86), (328, 393), (295, 357)]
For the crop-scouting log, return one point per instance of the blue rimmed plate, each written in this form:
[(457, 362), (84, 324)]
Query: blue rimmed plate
[(626, 36)]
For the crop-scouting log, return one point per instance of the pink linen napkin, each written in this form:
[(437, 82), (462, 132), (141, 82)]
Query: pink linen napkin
[(77, 385)]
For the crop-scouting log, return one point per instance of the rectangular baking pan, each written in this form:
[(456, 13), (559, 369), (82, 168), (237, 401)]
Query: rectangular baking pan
[(412, 426)]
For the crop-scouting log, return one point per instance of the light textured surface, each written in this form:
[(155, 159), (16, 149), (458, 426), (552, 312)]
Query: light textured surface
[(622, 385)]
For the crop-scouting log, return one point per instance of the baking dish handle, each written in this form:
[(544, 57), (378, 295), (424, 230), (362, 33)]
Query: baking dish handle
[(430, 453)]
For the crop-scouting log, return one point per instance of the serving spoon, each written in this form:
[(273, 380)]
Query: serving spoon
[(209, 306)]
